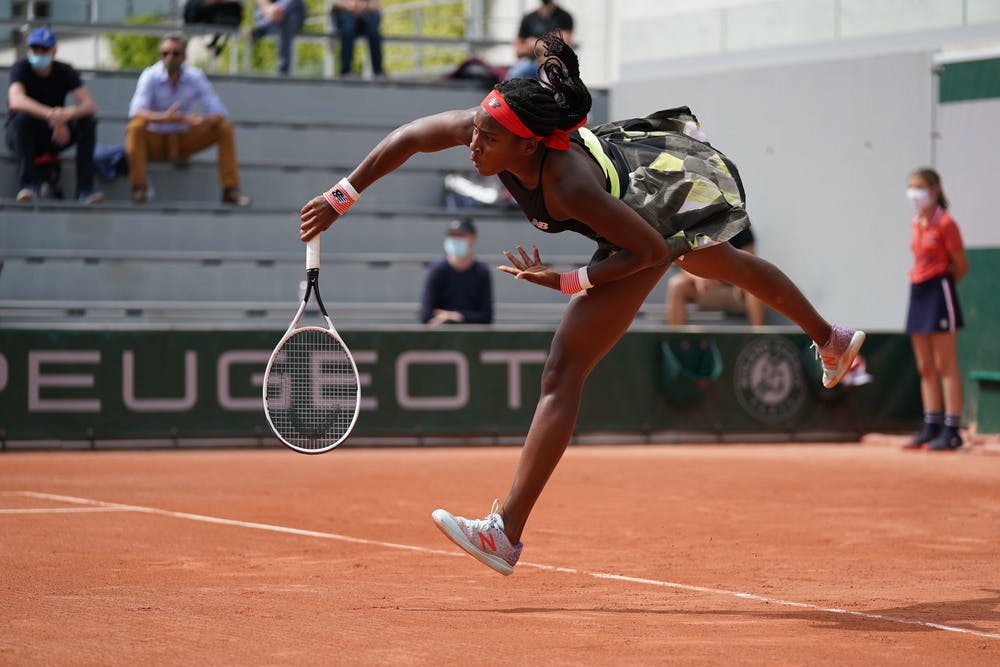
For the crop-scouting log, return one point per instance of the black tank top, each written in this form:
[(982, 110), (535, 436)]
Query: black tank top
[(532, 202)]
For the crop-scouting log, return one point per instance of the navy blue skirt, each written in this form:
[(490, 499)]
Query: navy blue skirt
[(934, 307)]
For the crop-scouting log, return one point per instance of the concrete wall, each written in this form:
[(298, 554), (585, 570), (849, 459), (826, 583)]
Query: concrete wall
[(824, 149)]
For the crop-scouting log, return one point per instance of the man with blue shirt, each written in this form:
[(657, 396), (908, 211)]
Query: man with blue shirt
[(163, 124), (40, 123)]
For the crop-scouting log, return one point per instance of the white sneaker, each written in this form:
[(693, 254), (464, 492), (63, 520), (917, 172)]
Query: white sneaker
[(839, 353), (483, 539)]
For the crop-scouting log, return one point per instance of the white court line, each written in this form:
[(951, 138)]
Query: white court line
[(62, 510), (438, 552)]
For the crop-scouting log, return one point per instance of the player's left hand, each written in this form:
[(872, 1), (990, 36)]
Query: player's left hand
[(530, 268), (316, 216)]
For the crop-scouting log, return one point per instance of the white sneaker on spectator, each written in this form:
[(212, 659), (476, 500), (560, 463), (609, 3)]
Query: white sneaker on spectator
[(90, 198)]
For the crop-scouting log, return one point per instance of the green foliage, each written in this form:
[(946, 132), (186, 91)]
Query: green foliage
[(309, 55), (136, 51), (445, 20), (131, 52)]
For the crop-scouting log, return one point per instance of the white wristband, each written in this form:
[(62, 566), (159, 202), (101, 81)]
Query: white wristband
[(349, 189), (572, 282)]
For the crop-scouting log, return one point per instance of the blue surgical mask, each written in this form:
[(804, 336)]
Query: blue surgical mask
[(38, 61), (456, 248)]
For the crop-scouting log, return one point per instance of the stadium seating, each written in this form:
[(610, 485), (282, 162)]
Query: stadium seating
[(185, 257)]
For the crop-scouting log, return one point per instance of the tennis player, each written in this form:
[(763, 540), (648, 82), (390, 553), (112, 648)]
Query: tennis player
[(648, 191)]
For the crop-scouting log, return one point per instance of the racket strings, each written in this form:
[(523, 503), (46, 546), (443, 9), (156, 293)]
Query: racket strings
[(312, 391)]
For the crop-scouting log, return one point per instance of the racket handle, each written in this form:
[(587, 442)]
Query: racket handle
[(312, 254)]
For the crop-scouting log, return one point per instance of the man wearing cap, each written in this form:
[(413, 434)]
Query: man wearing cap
[(458, 288), (163, 124), (39, 123)]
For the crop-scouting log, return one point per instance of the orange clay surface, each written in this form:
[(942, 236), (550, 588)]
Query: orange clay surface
[(689, 555)]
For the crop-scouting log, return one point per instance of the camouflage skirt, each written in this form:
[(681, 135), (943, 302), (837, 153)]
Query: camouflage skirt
[(679, 184)]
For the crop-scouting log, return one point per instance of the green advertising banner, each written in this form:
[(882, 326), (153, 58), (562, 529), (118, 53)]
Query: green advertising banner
[(120, 384)]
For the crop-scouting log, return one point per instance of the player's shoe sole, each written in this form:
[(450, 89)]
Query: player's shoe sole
[(447, 524)]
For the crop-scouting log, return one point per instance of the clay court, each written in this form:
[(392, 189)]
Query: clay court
[(708, 554)]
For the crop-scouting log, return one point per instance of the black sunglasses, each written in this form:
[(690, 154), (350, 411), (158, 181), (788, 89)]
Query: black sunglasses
[(176, 54)]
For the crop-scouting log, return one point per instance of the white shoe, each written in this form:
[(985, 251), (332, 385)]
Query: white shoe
[(839, 353), (483, 539)]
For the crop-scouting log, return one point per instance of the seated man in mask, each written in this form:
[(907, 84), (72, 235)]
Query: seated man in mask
[(458, 288)]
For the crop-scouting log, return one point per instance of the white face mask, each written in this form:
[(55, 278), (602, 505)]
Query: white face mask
[(919, 197), (456, 248)]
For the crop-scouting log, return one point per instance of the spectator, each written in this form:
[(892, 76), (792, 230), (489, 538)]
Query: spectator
[(546, 18), (684, 288), (458, 288), (351, 17), (38, 123), (163, 127), (284, 18), (215, 12), (934, 315)]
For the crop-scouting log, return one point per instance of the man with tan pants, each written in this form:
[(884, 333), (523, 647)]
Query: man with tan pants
[(163, 127)]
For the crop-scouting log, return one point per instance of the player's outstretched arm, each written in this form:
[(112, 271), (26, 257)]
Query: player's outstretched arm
[(424, 135)]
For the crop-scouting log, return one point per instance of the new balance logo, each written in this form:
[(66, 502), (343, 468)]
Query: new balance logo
[(485, 540), (539, 224), (341, 196)]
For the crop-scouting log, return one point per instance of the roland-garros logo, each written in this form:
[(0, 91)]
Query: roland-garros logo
[(768, 379)]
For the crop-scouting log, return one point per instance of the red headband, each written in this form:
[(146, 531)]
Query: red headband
[(496, 106)]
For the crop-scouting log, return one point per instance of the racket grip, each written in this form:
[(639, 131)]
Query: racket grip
[(312, 254)]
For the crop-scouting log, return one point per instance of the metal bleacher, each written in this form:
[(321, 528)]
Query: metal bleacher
[(184, 257)]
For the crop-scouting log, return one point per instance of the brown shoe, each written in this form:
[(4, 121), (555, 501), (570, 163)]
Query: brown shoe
[(139, 195), (235, 197)]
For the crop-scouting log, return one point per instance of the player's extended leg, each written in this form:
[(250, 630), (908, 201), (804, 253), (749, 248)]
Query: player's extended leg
[(762, 279), (591, 326), (593, 323), (837, 347)]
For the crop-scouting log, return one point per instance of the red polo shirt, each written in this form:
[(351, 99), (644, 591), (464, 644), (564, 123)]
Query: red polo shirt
[(932, 245)]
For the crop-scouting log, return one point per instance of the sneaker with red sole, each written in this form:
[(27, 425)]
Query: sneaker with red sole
[(483, 539)]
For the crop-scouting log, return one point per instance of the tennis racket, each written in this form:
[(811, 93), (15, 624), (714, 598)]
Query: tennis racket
[(312, 392)]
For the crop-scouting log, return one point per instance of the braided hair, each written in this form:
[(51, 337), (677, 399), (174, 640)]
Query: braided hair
[(560, 103)]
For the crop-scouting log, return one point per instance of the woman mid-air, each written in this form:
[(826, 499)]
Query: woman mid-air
[(648, 191)]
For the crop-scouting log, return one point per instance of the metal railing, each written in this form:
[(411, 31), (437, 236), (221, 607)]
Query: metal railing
[(97, 20)]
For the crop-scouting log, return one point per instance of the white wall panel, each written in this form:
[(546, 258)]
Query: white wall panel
[(967, 147), (824, 149)]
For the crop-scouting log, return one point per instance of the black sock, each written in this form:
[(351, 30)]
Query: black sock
[(952, 423)]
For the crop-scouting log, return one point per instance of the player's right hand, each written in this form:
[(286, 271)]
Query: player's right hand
[(316, 216)]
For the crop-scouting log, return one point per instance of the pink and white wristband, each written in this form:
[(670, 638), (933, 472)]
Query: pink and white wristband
[(572, 282), (341, 196)]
